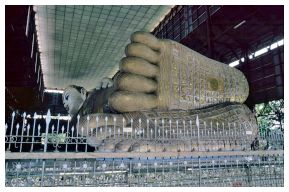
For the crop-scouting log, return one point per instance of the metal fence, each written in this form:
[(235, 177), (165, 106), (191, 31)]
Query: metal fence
[(52, 152), (239, 170)]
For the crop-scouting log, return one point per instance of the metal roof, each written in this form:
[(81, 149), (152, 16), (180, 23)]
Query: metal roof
[(82, 44)]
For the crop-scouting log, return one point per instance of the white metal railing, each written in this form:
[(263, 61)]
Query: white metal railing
[(54, 152), (30, 135), (245, 170)]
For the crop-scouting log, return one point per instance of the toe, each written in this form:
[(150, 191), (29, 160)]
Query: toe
[(138, 66), (135, 83), (142, 51), (147, 39), (124, 101)]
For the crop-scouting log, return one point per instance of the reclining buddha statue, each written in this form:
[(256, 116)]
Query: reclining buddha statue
[(164, 85)]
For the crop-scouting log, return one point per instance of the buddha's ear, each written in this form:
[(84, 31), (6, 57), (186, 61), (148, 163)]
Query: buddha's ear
[(83, 93)]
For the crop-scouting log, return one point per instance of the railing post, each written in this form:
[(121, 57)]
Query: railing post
[(105, 130), (58, 119), (171, 135), (77, 127), (27, 133), (17, 128), (6, 127), (155, 135), (123, 126), (87, 134), (114, 131), (139, 130), (163, 132), (131, 125), (148, 131), (199, 165), (11, 128), (191, 140), (67, 134), (198, 127), (96, 119), (177, 124), (48, 119)]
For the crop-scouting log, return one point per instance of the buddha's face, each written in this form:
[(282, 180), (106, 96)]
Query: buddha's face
[(73, 99)]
